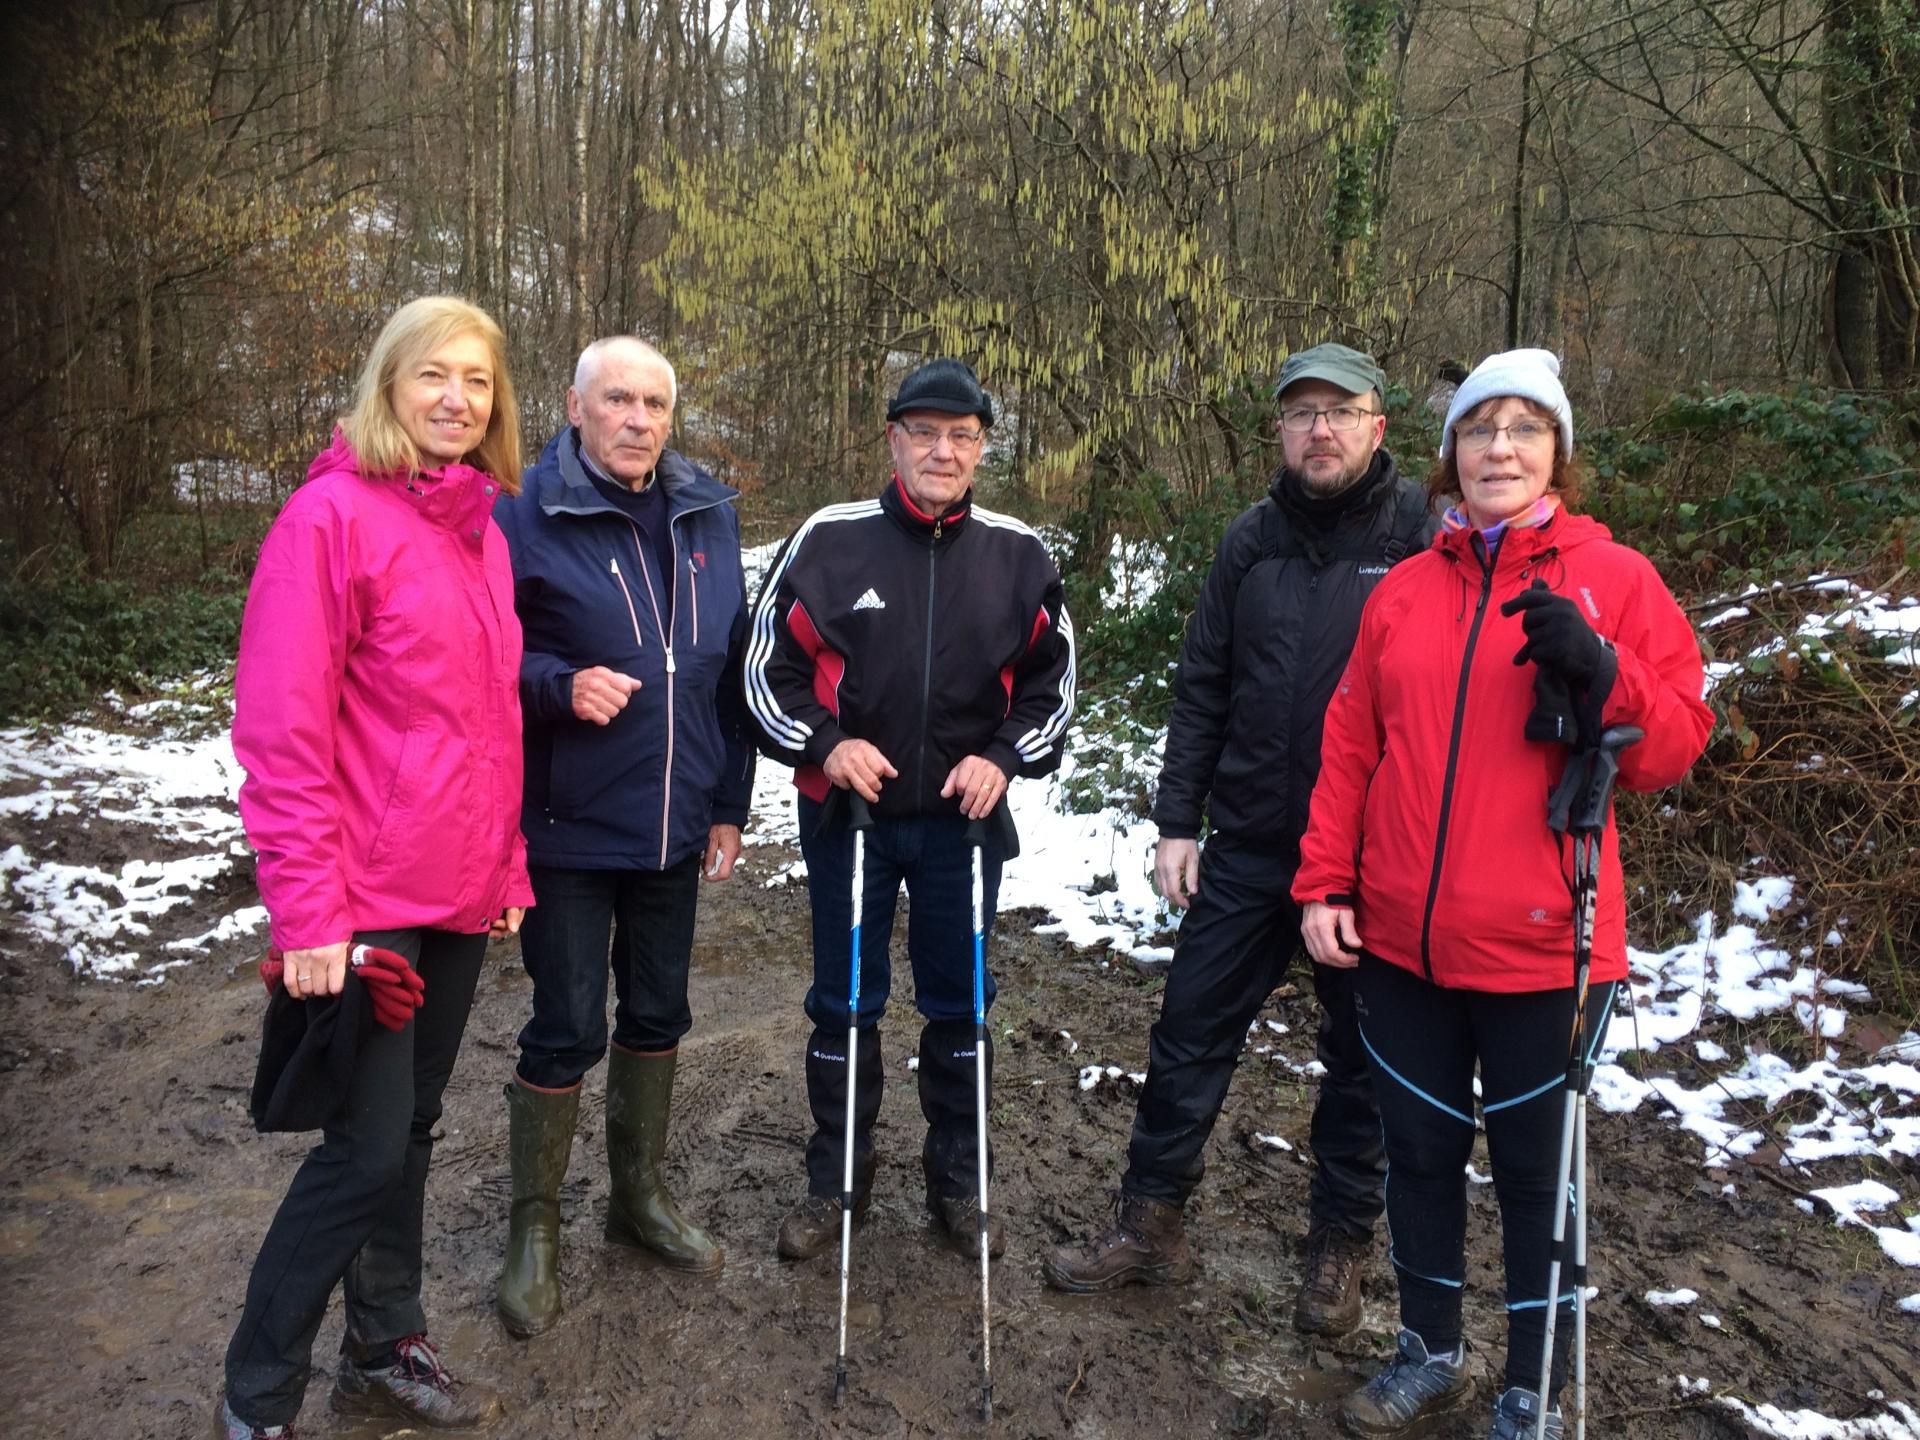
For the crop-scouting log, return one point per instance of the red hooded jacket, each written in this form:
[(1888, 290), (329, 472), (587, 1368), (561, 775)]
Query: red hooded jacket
[(1430, 816)]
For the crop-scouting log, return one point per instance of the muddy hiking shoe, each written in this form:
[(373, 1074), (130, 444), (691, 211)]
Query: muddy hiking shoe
[(813, 1226), (414, 1386), (1329, 1299), (1146, 1245), (1413, 1387), (1516, 1413), (229, 1426), (958, 1219)]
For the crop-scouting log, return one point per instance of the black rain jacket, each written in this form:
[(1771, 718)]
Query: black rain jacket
[(930, 637), (1277, 618)]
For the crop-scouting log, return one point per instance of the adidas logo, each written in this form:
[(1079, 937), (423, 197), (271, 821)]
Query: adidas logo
[(870, 601)]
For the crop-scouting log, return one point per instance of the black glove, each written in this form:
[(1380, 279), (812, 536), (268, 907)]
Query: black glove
[(1558, 636), (1554, 717)]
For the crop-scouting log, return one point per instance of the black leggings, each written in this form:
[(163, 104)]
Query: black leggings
[(353, 1216), (1423, 1041)]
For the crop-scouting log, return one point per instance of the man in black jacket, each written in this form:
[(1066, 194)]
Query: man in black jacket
[(1267, 643), (916, 650)]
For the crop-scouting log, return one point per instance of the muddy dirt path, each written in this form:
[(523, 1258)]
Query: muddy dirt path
[(133, 1192)]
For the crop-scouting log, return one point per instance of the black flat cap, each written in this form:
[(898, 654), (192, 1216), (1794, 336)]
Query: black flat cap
[(946, 385)]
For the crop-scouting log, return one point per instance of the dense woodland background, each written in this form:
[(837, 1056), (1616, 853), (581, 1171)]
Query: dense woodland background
[(1125, 214)]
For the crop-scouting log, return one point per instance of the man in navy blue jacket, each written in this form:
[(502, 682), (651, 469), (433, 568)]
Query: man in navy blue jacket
[(639, 771)]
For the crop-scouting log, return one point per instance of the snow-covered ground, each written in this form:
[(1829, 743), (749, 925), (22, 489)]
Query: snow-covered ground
[(1089, 876)]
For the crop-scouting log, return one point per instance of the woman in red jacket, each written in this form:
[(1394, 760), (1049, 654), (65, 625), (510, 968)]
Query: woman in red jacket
[(377, 714), (1428, 863)]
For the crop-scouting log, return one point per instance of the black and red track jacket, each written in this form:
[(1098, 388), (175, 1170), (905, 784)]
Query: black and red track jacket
[(931, 638)]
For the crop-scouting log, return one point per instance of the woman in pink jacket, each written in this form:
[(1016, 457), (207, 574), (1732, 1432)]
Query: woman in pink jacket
[(377, 716)]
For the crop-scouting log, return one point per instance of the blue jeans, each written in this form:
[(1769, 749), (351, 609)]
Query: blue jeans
[(639, 923), (930, 854)]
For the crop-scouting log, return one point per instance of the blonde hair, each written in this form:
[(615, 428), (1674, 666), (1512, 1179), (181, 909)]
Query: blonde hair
[(415, 330)]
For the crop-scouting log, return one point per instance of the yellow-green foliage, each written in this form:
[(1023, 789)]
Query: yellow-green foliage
[(1098, 203)]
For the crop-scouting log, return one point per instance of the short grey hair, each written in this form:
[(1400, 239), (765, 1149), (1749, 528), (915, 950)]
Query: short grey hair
[(588, 365)]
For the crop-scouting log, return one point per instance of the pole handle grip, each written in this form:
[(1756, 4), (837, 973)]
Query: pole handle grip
[(1579, 802), (860, 815), (997, 823)]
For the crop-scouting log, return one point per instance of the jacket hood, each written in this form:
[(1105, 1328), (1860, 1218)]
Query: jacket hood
[(560, 481), (456, 496)]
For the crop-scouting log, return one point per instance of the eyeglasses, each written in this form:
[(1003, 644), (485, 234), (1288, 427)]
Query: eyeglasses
[(1339, 418), (1523, 433), (926, 437)]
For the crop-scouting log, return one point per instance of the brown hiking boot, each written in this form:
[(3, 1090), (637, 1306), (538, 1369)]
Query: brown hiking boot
[(1329, 1299), (813, 1226), (958, 1219), (1146, 1245)]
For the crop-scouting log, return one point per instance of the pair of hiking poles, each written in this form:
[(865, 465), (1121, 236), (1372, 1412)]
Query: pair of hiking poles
[(1578, 808), (976, 837)]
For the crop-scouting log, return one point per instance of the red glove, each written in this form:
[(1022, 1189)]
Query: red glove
[(394, 986)]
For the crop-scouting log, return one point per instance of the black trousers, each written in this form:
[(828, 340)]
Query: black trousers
[(1235, 945), (354, 1214), (1425, 1042), (647, 915)]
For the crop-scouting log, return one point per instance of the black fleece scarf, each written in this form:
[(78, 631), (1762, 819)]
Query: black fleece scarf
[(1314, 517)]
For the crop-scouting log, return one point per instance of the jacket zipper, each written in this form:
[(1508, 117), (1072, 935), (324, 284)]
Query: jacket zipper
[(666, 639), (627, 595), (693, 589), (1453, 760), (1307, 628), (926, 674)]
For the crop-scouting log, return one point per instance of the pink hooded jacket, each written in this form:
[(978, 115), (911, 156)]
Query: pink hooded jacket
[(377, 708)]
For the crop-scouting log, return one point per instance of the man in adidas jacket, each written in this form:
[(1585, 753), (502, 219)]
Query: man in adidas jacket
[(1277, 617), (639, 772), (913, 649)]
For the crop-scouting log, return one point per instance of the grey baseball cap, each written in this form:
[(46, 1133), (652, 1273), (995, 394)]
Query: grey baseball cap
[(1349, 369)]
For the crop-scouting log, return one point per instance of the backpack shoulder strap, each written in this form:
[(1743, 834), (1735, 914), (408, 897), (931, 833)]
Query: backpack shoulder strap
[(1409, 518)]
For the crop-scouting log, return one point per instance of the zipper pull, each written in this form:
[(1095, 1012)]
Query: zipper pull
[(613, 566), (670, 665), (936, 529)]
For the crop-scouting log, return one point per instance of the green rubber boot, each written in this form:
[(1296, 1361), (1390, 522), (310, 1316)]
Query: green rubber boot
[(539, 1141), (640, 1213)]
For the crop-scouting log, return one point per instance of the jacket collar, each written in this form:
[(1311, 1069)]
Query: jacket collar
[(1520, 547), (570, 489), (1359, 498), (454, 497), (941, 529)]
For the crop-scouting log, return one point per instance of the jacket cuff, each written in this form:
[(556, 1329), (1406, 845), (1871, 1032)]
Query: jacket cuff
[(1004, 757), (820, 744), (1176, 829), (1339, 899), (735, 815)]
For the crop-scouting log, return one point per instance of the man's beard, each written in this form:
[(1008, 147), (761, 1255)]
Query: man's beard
[(1348, 476)]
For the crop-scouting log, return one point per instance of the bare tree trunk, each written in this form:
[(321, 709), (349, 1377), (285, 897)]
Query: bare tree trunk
[(1517, 255), (577, 174)]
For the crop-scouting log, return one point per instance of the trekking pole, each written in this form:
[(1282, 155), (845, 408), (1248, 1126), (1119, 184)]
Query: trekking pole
[(976, 839), (1578, 807), (861, 822)]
